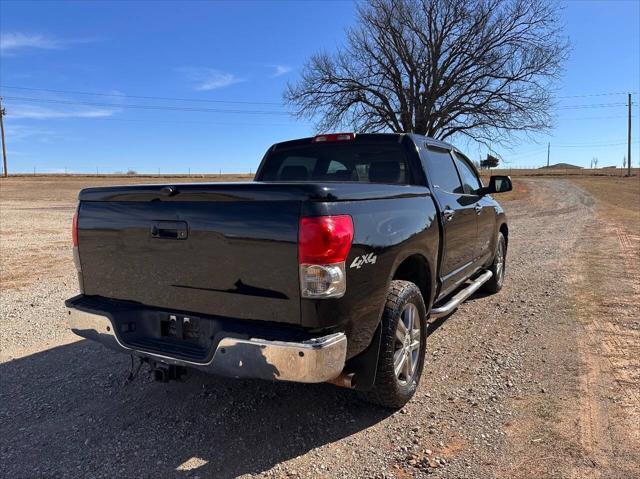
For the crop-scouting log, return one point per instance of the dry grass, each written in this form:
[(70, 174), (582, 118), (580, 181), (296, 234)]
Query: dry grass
[(562, 172), (618, 198), (520, 191), (66, 188), (607, 301)]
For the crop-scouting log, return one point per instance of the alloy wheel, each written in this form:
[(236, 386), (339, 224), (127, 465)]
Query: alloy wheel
[(407, 344)]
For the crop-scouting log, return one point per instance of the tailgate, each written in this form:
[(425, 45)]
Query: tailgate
[(229, 258)]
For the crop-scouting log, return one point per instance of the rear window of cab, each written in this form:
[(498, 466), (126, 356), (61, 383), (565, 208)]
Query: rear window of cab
[(360, 163)]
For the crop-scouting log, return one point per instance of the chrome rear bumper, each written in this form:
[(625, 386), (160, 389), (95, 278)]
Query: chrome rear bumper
[(313, 361)]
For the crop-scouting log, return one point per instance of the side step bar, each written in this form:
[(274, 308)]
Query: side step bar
[(461, 296)]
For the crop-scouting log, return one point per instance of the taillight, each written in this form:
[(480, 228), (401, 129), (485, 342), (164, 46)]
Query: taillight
[(325, 239), (74, 231), (333, 137), (76, 255), (324, 243)]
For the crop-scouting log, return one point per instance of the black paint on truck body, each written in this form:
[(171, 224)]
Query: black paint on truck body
[(238, 259)]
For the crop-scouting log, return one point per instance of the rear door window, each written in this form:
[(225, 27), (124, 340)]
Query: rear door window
[(470, 181), (443, 172)]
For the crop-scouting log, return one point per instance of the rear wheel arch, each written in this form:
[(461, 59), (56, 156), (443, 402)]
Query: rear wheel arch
[(402, 351), (504, 229), (416, 269)]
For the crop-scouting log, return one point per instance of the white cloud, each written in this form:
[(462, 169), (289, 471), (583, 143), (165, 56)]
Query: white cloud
[(10, 42), (281, 70), (205, 79), (32, 112), (24, 133), (15, 40)]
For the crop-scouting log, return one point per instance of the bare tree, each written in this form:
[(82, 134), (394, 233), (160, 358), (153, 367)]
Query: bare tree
[(480, 68)]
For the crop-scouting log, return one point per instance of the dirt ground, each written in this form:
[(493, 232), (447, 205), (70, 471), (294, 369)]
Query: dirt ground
[(540, 380)]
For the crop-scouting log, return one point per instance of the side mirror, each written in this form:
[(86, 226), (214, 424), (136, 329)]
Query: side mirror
[(498, 184)]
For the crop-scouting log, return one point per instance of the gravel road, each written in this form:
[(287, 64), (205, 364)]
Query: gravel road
[(502, 394)]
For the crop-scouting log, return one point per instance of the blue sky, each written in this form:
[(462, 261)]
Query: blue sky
[(245, 52)]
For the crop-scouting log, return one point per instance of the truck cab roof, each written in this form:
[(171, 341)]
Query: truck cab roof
[(419, 140)]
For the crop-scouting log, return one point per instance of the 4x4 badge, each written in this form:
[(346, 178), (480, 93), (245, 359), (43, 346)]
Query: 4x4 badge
[(364, 259)]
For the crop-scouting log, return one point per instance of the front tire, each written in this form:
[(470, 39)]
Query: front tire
[(402, 349), (497, 267)]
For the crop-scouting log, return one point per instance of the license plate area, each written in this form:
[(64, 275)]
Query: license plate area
[(178, 335), (180, 327)]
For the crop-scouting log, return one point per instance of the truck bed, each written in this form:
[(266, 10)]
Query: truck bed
[(228, 250)]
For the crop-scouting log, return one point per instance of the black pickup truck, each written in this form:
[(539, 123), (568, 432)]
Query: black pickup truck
[(326, 268)]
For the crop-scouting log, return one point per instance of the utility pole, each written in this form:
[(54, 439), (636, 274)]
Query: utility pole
[(628, 137), (5, 173), (548, 153)]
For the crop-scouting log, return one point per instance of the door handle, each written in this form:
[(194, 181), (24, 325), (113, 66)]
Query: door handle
[(448, 214), (478, 209), (176, 230)]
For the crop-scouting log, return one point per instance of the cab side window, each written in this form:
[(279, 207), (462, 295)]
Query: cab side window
[(470, 181), (443, 172)]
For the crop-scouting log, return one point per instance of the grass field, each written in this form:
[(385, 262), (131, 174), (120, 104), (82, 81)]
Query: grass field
[(570, 172), (618, 198)]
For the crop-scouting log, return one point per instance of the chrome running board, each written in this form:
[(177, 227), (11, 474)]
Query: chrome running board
[(454, 302)]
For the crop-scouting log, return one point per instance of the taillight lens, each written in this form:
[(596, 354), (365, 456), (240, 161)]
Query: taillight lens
[(76, 255), (74, 230), (325, 239), (324, 243)]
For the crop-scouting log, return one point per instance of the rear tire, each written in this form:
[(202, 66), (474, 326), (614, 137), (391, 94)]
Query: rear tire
[(402, 347), (497, 267)]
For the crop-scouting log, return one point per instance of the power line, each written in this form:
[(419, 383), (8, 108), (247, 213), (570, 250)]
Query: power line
[(590, 105), (541, 150), (612, 117), (217, 110), (143, 97), (190, 122), (594, 145), (240, 102), (598, 94), (146, 107), (528, 154)]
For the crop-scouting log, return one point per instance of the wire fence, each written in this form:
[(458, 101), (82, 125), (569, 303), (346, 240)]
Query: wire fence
[(560, 171), (132, 172), (158, 173)]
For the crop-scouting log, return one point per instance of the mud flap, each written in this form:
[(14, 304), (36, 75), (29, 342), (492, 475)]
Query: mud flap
[(365, 364)]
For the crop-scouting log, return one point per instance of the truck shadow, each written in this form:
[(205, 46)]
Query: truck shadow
[(66, 412), (434, 324)]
